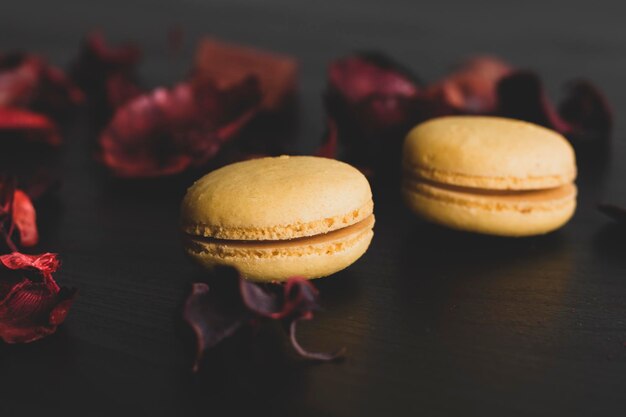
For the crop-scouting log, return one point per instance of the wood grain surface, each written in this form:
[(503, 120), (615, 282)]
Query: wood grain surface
[(436, 323)]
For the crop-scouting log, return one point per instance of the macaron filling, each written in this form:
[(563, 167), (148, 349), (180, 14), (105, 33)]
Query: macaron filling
[(344, 233), (517, 200)]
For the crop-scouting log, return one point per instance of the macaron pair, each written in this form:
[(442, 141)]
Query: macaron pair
[(273, 218), (489, 175)]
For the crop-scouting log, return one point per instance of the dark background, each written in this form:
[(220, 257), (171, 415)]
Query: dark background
[(434, 322)]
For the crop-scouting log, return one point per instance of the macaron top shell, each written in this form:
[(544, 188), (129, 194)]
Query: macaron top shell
[(276, 198), (489, 153)]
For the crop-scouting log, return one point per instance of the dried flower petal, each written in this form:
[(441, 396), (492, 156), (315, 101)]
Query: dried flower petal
[(471, 89), (31, 306), (25, 219), (168, 131), (210, 325), (228, 65), (586, 109), (28, 125), (585, 112), (373, 101), (214, 316), (17, 213), (28, 82), (106, 73), (521, 96), (315, 356), (373, 90)]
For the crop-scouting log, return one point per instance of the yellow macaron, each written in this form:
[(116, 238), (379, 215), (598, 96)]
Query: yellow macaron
[(273, 218), (489, 175)]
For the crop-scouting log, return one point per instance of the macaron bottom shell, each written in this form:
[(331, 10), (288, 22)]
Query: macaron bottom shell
[(275, 261), (492, 214)]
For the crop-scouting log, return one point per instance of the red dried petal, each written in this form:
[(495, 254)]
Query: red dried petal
[(168, 131), (373, 101), (372, 92), (31, 308), (471, 89), (521, 96), (28, 82), (29, 125), (25, 219), (121, 89), (228, 65), (586, 109), (316, 356), (209, 321), (107, 73), (358, 77), (46, 263)]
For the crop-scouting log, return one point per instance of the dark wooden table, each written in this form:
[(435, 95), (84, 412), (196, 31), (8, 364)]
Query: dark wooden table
[(434, 322)]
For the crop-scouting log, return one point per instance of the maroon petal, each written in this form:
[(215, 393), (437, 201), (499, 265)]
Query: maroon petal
[(471, 89), (168, 131), (28, 82), (46, 263), (25, 219), (521, 96), (316, 356), (107, 73), (373, 101), (373, 91), (31, 306), (120, 89), (210, 322), (28, 125), (586, 109), (228, 65)]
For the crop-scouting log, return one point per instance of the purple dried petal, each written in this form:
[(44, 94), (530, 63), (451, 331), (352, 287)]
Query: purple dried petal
[(521, 96), (587, 109), (209, 320), (316, 356)]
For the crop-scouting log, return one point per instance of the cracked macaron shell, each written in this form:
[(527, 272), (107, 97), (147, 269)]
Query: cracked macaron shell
[(276, 198)]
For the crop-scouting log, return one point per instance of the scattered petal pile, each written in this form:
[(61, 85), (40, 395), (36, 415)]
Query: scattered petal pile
[(215, 316), (32, 305), (373, 102)]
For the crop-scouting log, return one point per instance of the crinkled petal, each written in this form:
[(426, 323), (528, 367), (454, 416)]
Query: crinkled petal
[(19, 123), (31, 307), (170, 130), (316, 356), (228, 65), (25, 219), (586, 109), (471, 89)]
